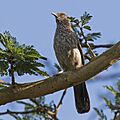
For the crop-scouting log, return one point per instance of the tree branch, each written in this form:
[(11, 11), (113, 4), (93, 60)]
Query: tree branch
[(98, 46), (92, 54), (60, 102), (61, 81), (117, 118), (39, 109)]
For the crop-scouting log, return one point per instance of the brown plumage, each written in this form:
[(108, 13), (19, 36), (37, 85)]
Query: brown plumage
[(70, 56)]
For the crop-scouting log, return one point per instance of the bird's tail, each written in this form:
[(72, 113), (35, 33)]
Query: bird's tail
[(81, 98)]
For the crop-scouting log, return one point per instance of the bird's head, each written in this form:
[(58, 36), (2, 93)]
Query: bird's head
[(62, 19)]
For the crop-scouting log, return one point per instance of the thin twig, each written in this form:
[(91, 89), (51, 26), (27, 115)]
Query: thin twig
[(34, 101), (87, 57), (61, 100), (2, 40), (92, 54), (19, 112), (38, 110), (115, 107), (98, 46), (11, 71), (115, 115), (2, 82)]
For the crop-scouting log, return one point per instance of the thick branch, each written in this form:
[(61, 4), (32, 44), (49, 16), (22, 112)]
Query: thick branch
[(63, 80)]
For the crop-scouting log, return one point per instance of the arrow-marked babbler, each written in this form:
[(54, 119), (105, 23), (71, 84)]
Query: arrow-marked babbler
[(70, 57)]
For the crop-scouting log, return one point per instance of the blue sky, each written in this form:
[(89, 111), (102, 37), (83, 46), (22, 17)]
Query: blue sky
[(32, 23)]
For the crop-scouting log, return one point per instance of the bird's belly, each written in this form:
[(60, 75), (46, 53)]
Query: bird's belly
[(69, 57)]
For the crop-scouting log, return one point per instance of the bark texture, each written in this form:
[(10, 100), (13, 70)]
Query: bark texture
[(63, 80)]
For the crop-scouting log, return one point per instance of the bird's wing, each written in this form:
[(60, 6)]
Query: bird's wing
[(80, 49)]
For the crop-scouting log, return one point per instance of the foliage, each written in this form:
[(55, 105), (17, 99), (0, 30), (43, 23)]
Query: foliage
[(79, 25), (113, 106), (22, 59), (36, 108), (83, 30)]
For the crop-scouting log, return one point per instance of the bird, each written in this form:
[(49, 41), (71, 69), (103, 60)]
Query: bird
[(70, 57)]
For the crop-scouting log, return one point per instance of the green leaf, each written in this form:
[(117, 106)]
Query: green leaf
[(3, 54), (108, 102), (16, 117), (93, 36), (71, 19), (85, 18), (3, 68), (118, 84), (87, 27), (111, 89), (74, 20), (101, 114), (29, 67)]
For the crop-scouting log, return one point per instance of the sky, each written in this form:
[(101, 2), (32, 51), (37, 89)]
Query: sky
[(31, 22)]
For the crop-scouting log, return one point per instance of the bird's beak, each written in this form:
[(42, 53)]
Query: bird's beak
[(54, 14)]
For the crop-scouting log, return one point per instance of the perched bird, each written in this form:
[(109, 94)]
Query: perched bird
[(70, 56)]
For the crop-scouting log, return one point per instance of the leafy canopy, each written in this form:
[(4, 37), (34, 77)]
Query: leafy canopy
[(22, 59)]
